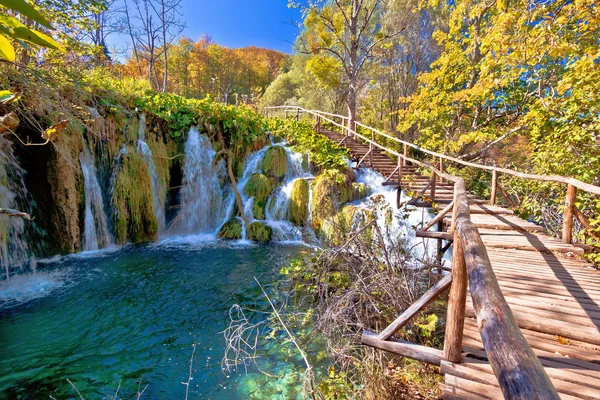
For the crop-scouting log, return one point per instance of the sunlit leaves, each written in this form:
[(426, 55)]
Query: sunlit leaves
[(12, 28), (7, 50), (27, 10)]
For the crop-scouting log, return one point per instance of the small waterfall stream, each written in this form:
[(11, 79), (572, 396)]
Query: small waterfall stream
[(14, 250), (157, 189), (201, 195), (96, 234)]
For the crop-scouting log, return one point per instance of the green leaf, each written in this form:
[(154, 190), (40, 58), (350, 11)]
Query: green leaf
[(39, 38), (6, 96), (7, 50), (11, 21), (27, 10)]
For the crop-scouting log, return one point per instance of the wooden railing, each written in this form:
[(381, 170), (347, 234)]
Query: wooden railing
[(570, 212), (515, 365)]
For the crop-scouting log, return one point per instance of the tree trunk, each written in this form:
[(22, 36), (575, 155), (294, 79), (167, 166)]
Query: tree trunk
[(164, 32), (238, 197), (353, 64)]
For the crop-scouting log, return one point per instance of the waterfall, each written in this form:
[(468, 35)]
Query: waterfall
[(201, 195), (278, 204), (157, 189), (402, 222), (14, 250), (96, 234)]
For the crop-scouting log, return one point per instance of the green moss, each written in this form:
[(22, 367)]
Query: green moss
[(299, 202), (231, 230), (66, 188), (275, 162), (259, 232), (260, 187), (331, 189), (360, 191), (133, 204)]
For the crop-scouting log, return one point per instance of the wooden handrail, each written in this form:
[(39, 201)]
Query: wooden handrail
[(586, 187), (518, 370)]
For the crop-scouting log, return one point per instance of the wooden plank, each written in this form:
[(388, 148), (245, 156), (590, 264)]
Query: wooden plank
[(528, 320), (453, 393), (416, 307), (481, 372), (504, 222), (402, 348), (435, 235), (490, 209)]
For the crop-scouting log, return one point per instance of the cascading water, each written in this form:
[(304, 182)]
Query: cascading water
[(201, 195), (14, 250), (157, 189), (399, 223), (96, 234)]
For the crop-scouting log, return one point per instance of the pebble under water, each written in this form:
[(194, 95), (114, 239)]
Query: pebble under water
[(131, 316)]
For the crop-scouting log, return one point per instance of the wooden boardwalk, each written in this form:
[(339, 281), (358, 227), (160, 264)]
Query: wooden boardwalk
[(554, 295)]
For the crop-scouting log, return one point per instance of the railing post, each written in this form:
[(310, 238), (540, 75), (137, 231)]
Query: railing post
[(318, 123), (371, 147), (441, 169), (285, 113), (494, 187), (455, 317), (405, 154), (433, 179), (399, 171), (567, 234), (297, 114)]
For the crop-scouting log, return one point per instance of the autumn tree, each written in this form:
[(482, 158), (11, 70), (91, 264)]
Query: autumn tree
[(349, 31), (514, 66)]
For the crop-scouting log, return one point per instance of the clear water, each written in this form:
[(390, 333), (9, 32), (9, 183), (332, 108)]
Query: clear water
[(101, 318)]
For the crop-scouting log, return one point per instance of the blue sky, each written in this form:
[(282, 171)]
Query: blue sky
[(240, 23)]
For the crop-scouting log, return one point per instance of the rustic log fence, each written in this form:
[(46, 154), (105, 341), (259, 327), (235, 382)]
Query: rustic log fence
[(515, 365)]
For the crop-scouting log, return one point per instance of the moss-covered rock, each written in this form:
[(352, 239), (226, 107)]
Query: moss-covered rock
[(299, 202), (260, 187), (231, 230), (133, 204), (66, 188), (259, 232), (275, 162), (331, 189), (360, 191), (348, 220)]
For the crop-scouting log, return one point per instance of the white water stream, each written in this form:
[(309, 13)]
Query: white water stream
[(157, 189), (96, 234)]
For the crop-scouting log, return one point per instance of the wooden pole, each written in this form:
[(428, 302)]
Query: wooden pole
[(399, 171), (441, 169), (567, 233), (457, 299), (405, 154), (433, 179), (286, 114), (297, 114), (371, 148), (494, 187)]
